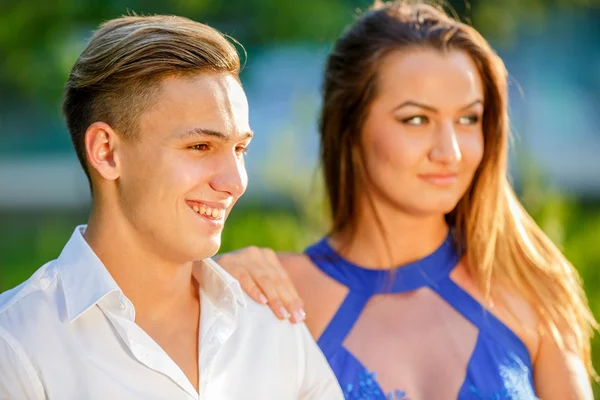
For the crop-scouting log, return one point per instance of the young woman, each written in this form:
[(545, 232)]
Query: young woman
[(434, 282)]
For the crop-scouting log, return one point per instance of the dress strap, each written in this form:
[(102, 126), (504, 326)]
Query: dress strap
[(481, 317), (342, 322)]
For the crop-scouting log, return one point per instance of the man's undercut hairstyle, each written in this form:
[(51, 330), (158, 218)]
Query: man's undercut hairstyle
[(118, 74)]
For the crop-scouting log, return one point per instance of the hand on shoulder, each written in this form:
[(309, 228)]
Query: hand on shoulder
[(265, 279)]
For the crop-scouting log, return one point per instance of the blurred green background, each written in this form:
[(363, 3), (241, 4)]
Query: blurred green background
[(551, 48)]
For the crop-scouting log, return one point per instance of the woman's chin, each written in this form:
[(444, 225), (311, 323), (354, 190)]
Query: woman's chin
[(437, 209)]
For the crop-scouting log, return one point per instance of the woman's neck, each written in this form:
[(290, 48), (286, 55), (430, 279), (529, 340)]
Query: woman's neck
[(393, 240)]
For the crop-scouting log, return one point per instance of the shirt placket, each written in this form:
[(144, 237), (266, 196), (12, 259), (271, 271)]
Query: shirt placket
[(221, 327), (143, 347)]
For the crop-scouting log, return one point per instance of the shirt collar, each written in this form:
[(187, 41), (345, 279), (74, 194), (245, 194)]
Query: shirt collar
[(85, 280), (222, 289)]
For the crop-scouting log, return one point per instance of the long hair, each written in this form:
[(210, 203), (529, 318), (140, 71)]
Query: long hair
[(501, 242)]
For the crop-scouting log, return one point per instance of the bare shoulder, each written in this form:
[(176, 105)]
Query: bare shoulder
[(310, 281), (322, 295), (508, 306), (300, 268)]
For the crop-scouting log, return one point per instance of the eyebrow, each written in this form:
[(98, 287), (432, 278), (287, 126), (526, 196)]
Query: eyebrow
[(430, 108), (216, 134)]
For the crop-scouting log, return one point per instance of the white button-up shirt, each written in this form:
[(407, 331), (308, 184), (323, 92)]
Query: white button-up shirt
[(69, 333)]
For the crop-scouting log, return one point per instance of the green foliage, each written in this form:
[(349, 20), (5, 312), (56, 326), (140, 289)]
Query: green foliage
[(278, 229), (40, 40)]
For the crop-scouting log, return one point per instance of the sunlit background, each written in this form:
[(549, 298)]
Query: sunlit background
[(551, 48)]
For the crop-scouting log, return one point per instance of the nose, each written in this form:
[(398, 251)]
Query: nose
[(446, 149), (230, 176)]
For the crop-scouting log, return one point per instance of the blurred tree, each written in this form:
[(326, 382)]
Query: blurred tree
[(39, 40)]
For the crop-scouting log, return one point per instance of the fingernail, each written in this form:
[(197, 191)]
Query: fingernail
[(262, 299), (299, 315), (284, 312)]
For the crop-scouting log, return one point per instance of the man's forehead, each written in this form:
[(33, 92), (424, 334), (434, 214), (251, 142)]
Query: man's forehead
[(203, 104), (222, 135)]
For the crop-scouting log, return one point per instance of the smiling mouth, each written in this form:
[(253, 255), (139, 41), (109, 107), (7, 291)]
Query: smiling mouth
[(207, 211)]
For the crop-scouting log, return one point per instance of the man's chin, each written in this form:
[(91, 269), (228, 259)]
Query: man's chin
[(207, 248)]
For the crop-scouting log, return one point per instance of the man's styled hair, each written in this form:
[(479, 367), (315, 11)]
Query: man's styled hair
[(117, 76)]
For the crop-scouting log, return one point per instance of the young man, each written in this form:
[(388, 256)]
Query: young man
[(159, 121)]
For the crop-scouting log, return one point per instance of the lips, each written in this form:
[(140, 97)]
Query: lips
[(444, 179)]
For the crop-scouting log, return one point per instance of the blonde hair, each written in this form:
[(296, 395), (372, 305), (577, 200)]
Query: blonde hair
[(501, 242), (117, 75)]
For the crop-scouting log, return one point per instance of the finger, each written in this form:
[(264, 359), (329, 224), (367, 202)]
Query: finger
[(289, 297), (248, 286), (285, 288), (267, 285)]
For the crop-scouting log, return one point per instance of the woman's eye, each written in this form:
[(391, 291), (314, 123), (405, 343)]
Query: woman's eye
[(469, 120), (416, 120), (199, 147)]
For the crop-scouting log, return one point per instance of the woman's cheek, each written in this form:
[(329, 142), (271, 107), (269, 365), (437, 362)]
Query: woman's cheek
[(472, 150)]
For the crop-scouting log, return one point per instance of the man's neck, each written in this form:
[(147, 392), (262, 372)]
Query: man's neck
[(154, 285), (163, 292)]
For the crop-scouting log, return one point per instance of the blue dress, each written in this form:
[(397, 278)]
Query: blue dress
[(489, 360)]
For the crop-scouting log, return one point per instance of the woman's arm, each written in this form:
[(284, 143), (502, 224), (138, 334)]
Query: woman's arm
[(559, 371)]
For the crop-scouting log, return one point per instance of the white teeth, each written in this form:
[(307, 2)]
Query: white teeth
[(216, 213)]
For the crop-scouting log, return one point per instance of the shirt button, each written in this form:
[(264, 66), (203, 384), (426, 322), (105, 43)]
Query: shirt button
[(122, 306)]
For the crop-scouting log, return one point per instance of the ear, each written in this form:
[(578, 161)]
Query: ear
[(102, 145)]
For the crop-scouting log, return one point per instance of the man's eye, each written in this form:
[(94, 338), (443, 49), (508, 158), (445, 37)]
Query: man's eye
[(200, 147), (241, 150), (417, 120)]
